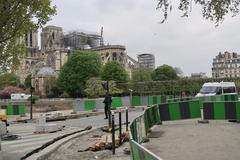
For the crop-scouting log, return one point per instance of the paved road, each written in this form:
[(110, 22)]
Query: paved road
[(12, 150), (188, 140)]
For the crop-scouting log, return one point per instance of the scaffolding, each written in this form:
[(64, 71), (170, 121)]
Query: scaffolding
[(80, 41)]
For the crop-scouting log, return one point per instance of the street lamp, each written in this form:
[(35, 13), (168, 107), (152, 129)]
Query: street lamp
[(130, 97), (68, 51)]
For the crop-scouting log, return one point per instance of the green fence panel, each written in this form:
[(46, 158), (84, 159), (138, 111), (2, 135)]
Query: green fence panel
[(228, 110), (117, 102), (134, 130), (140, 153), (219, 110), (222, 98), (150, 100), (146, 122), (174, 111), (151, 116), (238, 110), (22, 110), (148, 118), (136, 101), (10, 109), (135, 151), (158, 99), (194, 108), (213, 98), (156, 114), (89, 105)]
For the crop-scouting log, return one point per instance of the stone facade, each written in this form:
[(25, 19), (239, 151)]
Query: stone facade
[(52, 38), (32, 56), (114, 53), (226, 65)]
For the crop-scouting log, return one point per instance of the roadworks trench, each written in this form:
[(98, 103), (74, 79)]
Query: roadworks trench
[(78, 149)]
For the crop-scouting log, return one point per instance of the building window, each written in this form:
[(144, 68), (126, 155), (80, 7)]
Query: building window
[(26, 40), (53, 35), (31, 39), (114, 58)]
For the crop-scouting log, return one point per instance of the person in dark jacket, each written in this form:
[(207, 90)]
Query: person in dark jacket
[(107, 101)]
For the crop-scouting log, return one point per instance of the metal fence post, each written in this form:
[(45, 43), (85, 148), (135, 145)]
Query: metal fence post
[(120, 126), (109, 118), (113, 135), (126, 119)]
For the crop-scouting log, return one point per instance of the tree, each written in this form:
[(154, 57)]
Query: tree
[(17, 17), (141, 75), (164, 72), (94, 87), (76, 71), (9, 79), (7, 91), (114, 71), (214, 10)]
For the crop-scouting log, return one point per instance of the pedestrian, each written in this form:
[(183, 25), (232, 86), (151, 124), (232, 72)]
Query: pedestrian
[(107, 101)]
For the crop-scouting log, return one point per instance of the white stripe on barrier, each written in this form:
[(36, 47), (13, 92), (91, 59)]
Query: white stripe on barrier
[(145, 150)]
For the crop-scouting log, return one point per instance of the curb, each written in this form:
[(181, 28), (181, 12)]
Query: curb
[(43, 154)]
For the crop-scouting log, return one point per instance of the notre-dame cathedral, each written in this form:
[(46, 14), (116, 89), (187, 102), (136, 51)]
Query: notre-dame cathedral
[(43, 64)]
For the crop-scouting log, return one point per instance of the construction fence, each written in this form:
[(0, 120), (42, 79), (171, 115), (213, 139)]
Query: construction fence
[(139, 129), (13, 109), (135, 101), (214, 108)]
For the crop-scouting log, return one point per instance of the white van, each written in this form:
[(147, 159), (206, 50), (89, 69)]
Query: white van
[(19, 96), (216, 88)]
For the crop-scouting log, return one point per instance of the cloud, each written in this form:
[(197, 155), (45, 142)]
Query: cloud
[(189, 43)]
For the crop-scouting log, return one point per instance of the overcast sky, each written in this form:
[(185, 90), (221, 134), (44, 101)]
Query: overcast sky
[(189, 43)]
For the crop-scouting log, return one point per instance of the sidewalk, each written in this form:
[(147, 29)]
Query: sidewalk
[(181, 140)]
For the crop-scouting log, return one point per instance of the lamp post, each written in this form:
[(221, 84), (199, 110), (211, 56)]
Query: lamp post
[(130, 97), (68, 51), (31, 103)]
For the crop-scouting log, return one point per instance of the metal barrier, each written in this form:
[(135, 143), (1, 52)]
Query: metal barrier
[(180, 110), (117, 102), (141, 153), (225, 110), (139, 129), (221, 111), (14, 109)]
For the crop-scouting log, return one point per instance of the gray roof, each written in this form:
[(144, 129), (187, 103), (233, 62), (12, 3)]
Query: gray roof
[(45, 72)]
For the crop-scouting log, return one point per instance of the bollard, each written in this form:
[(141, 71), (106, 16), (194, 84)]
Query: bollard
[(126, 119), (120, 127), (202, 118), (113, 135)]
